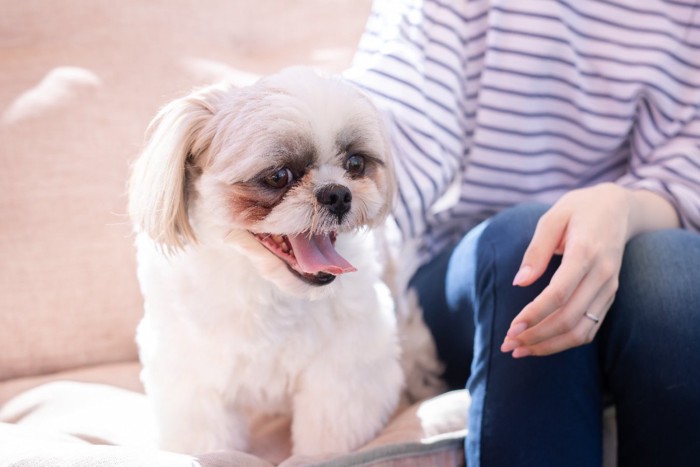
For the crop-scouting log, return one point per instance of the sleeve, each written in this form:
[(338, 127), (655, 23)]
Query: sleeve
[(666, 155), (410, 62)]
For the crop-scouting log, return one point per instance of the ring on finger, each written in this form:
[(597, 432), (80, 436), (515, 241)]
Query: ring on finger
[(592, 317)]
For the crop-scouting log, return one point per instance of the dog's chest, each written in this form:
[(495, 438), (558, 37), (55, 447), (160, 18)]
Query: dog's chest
[(267, 351), (236, 334)]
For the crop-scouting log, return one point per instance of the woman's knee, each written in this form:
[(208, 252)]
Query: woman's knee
[(490, 254)]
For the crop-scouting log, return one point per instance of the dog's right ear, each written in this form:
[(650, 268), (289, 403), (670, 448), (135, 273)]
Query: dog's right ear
[(177, 138)]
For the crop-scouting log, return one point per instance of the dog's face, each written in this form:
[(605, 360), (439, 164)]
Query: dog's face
[(278, 170)]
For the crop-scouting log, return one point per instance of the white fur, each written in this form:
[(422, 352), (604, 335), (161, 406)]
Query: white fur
[(228, 329)]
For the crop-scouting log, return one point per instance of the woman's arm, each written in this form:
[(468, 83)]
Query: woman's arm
[(410, 62)]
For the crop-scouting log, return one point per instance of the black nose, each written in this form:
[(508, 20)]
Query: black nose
[(337, 198)]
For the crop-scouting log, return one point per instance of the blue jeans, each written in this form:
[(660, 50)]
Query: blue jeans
[(546, 411)]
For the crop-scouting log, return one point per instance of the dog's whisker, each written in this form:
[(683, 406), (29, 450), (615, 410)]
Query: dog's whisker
[(314, 218)]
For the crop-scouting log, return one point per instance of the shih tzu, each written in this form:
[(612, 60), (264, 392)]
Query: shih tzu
[(261, 283)]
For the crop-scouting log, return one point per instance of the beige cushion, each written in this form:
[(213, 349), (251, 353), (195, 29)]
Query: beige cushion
[(25, 447)]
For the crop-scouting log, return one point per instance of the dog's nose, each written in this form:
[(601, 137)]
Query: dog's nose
[(336, 197)]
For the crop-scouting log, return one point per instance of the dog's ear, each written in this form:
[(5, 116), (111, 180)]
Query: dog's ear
[(177, 140)]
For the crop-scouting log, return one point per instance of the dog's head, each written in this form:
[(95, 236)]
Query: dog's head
[(278, 170)]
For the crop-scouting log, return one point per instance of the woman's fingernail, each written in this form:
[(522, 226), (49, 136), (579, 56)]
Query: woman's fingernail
[(509, 345), (516, 329), (521, 352), (522, 275)]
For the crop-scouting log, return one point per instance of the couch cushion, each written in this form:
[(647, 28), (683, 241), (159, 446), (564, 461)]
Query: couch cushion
[(37, 448), (121, 375), (74, 422)]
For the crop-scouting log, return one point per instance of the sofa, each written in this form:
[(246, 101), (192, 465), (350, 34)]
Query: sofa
[(79, 82)]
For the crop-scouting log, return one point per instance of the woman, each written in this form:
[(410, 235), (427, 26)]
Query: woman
[(548, 160)]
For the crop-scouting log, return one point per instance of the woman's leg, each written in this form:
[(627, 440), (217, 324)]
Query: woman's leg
[(650, 350), (546, 411), (533, 411)]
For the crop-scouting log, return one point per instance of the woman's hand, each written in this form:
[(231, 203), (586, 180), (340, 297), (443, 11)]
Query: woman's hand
[(589, 228)]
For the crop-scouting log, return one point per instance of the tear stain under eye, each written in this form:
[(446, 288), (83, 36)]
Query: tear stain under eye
[(251, 203)]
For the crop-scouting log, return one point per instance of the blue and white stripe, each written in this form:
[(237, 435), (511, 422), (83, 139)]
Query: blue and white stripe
[(492, 103)]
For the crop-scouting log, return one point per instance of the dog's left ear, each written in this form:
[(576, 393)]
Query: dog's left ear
[(177, 138)]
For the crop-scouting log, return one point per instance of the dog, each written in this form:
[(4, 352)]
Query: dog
[(262, 287)]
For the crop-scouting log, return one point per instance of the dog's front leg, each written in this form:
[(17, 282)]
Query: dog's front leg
[(195, 419), (340, 409)]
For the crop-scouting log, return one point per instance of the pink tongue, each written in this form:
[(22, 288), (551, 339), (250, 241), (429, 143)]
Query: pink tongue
[(317, 254)]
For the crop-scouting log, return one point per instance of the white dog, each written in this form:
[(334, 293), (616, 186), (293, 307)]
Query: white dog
[(262, 290)]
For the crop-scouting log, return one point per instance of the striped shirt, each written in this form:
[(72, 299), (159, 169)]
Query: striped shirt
[(493, 103)]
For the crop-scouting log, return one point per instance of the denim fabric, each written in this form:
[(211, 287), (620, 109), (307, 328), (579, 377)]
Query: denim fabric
[(546, 411)]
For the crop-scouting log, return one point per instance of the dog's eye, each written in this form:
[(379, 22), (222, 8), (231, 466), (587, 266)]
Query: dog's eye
[(280, 179), (355, 164)]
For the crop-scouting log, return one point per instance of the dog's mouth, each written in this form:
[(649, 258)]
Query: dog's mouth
[(312, 257)]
